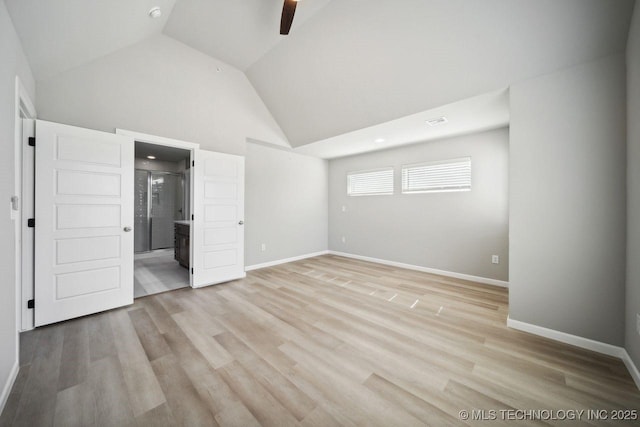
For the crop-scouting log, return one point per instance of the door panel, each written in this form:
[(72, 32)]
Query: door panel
[(218, 231), (87, 184), (84, 201), (87, 249)]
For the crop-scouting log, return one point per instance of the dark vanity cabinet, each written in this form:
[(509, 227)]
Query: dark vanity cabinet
[(181, 253)]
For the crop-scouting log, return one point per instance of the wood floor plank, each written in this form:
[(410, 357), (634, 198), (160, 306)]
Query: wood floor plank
[(106, 384), (75, 354), (182, 397), (211, 388), (263, 406), (152, 341), (318, 342), (144, 392), (75, 406), (410, 402), (373, 408), (28, 345), (38, 399), (215, 354), (11, 407), (287, 394), (235, 415), (160, 416), (319, 418), (101, 341)]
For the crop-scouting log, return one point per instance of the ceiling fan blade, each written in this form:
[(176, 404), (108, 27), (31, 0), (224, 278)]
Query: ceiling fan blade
[(288, 10)]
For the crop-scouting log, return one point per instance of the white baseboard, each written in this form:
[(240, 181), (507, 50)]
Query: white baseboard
[(6, 390), (586, 343), (283, 261), (633, 369), (462, 276)]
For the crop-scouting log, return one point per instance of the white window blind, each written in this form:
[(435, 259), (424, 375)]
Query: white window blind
[(368, 183), (444, 175)]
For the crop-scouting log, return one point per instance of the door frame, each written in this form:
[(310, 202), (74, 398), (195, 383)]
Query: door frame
[(176, 143), (24, 109)]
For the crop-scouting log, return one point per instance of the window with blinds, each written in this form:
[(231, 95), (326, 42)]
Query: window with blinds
[(370, 183), (444, 175)]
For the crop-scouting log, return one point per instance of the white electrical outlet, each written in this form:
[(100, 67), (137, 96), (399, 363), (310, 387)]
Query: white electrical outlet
[(495, 259), (263, 247), (344, 239), (638, 323)]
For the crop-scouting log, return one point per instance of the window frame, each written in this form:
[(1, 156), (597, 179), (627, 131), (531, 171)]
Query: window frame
[(442, 189), (369, 171)]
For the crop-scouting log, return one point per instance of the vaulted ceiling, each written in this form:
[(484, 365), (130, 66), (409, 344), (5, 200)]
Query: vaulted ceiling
[(347, 64), (238, 32), (358, 63)]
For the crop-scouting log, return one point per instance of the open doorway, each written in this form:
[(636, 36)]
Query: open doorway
[(161, 224)]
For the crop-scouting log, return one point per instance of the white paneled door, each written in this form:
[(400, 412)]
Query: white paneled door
[(83, 220), (218, 224)]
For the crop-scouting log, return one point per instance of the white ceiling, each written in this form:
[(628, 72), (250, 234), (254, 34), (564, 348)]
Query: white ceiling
[(358, 63), (160, 152), (238, 32), (58, 35), (484, 112), (347, 65)]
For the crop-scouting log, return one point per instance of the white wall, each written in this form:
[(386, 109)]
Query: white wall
[(161, 87), (285, 204), (567, 200), (454, 231), (12, 63), (632, 339)]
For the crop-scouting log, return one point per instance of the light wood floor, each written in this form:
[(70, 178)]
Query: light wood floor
[(320, 342)]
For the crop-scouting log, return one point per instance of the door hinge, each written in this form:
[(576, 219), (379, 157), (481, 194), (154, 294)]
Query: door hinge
[(32, 141), (31, 222), (191, 217), (31, 303), (191, 270), (193, 162)]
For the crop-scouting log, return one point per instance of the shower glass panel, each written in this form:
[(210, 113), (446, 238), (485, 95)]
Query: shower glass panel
[(158, 202), (141, 209), (166, 207)]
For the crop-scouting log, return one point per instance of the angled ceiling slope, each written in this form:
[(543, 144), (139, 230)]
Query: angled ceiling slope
[(60, 35), (476, 114), (237, 32), (359, 63)]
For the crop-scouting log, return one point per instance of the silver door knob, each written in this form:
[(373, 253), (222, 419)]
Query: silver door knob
[(128, 229), (240, 222)]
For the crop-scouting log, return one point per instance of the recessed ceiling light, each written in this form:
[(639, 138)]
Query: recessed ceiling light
[(151, 157), (379, 140), (155, 12), (438, 121)]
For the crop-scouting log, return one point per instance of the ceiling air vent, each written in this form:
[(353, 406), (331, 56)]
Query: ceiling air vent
[(438, 121)]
